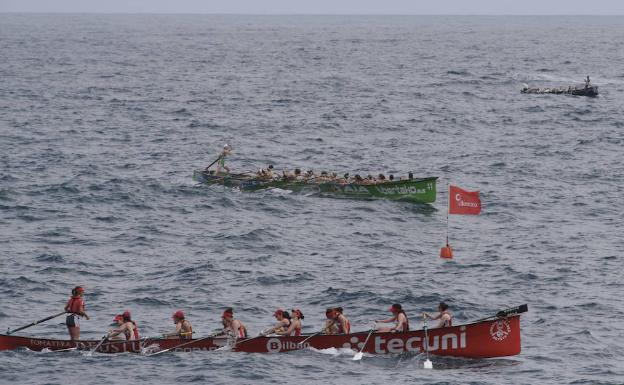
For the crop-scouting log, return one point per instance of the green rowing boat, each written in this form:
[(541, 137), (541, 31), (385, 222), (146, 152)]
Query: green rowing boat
[(421, 190)]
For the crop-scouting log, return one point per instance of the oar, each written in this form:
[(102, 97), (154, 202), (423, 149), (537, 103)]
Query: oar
[(358, 356), (184, 344), (247, 339), (428, 364), (507, 312), (34, 323), (210, 165), (315, 334), (98, 345)]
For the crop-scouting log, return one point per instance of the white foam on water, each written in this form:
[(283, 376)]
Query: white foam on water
[(280, 191), (335, 351)]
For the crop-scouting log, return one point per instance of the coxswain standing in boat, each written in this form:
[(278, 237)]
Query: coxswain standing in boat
[(76, 307), (283, 323), (126, 328), (401, 323), (184, 329), (233, 326), (221, 162), (445, 317), (295, 323)]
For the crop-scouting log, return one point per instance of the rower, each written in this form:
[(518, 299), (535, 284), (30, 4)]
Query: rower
[(221, 162), (127, 327), (76, 307), (282, 325), (295, 323), (232, 325), (330, 324), (445, 317), (399, 318), (336, 322), (184, 329), (117, 322), (269, 172), (344, 326)]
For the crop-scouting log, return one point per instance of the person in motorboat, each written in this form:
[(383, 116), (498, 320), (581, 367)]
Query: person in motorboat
[(401, 323), (184, 329), (221, 162), (295, 323), (232, 326), (445, 317), (76, 309), (127, 328), (282, 325)]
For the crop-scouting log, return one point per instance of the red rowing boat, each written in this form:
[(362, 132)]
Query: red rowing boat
[(482, 339)]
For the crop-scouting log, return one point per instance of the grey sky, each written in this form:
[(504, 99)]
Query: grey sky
[(400, 7)]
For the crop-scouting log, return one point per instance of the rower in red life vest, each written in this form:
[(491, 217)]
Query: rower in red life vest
[(127, 327), (445, 317), (336, 322), (399, 318), (232, 325), (295, 323), (184, 329), (76, 307), (282, 325)]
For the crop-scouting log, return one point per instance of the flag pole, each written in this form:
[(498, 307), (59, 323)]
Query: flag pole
[(446, 252)]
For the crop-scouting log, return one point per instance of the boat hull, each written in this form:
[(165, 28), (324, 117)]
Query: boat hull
[(486, 339), (591, 91), (421, 190)]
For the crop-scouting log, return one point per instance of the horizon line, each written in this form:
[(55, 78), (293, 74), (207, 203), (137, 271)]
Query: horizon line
[(299, 14)]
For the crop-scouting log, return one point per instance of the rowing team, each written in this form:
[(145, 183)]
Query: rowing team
[(288, 324)]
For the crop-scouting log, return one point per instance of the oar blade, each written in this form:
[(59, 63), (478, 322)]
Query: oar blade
[(513, 311), (428, 364), (358, 356)]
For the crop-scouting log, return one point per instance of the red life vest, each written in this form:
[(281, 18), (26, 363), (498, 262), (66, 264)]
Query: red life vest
[(74, 305)]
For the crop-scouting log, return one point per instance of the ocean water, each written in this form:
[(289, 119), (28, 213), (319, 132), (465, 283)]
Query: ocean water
[(104, 117)]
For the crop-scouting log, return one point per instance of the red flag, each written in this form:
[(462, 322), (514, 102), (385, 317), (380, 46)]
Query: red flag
[(464, 202)]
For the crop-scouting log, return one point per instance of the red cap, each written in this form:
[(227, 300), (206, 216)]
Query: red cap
[(228, 313), (126, 314), (118, 317), (278, 313), (178, 314), (330, 313), (297, 313)]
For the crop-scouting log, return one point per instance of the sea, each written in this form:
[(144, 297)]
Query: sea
[(104, 117)]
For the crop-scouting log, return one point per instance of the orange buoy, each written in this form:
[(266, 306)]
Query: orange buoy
[(446, 252)]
